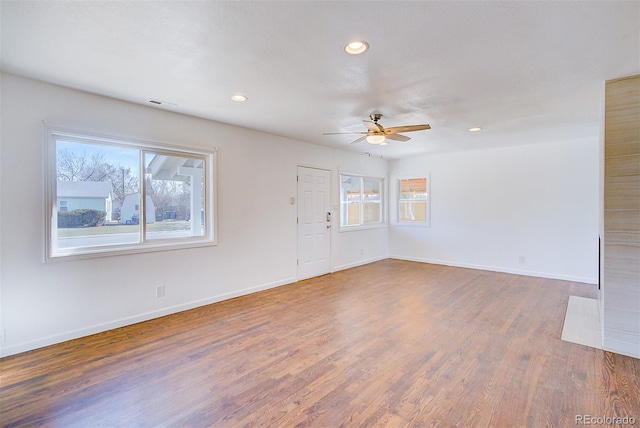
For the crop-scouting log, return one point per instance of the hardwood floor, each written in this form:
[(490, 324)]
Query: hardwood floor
[(393, 343)]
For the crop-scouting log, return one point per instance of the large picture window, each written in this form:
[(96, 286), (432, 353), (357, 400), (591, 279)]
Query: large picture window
[(361, 202), (110, 196), (413, 201)]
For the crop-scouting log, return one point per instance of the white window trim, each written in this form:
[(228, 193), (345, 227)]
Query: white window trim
[(396, 218), (50, 197), (383, 202)]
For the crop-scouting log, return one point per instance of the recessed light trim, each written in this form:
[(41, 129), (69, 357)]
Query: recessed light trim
[(356, 47), (475, 129), (239, 98)]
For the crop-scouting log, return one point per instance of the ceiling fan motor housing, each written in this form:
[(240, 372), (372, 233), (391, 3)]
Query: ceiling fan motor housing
[(375, 116)]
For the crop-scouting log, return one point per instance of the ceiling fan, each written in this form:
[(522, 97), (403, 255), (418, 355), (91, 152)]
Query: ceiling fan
[(378, 134)]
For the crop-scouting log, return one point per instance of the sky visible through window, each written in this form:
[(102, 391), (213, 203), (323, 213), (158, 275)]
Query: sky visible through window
[(122, 156)]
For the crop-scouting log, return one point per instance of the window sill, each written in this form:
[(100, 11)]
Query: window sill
[(79, 254), (423, 225), (363, 227)]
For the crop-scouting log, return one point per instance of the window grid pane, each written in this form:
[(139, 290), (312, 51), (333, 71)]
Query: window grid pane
[(372, 196), (175, 188), (413, 211), (353, 214), (91, 179)]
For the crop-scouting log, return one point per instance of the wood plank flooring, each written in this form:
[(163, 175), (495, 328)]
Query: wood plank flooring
[(392, 343)]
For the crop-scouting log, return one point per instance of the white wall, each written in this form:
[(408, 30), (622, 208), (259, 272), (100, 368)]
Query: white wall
[(44, 303), (489, 207)]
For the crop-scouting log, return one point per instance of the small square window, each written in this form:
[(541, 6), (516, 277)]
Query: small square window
[(361, 201), (413, 201)]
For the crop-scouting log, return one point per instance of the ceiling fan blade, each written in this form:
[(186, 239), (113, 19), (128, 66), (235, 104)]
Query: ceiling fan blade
[(372, 126), (359, 139), (397, 137), (343, 133), (408, 128)]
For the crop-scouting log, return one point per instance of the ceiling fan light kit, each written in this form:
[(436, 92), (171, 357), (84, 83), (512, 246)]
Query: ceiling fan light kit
[(375, 139), (378, 134)]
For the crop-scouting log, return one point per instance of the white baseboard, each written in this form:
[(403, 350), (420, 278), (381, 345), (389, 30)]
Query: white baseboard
[(623, 348), (5, 351), (358, 263), (499, 269)]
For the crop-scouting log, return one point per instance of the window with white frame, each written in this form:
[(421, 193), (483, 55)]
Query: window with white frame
[(361, 201), (109, 196), (413, 201)]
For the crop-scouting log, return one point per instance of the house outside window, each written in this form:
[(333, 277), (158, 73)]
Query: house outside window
[(361, 202), (85, 195), (101, 204)]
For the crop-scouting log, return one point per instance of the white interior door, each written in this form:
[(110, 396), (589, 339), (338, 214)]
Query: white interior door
[(314, 222)]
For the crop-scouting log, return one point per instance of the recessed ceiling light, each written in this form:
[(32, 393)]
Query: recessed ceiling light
[(475, 129), (239, 98), (357, 47)]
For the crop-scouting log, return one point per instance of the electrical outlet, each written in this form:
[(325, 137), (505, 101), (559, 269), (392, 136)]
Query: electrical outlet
[(521, 259), (160, 290), (3, 335), (362, 251)]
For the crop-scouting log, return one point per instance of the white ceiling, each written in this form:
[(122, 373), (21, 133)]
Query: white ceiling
[(525, 71)]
